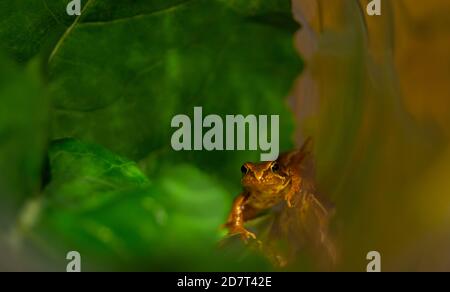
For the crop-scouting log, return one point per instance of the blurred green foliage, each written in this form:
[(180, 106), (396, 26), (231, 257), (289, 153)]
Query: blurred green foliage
[(113, 214), (101, 89), (23, 132)]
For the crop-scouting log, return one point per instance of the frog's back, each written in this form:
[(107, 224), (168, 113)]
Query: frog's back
[(299, 159), (303, 161)]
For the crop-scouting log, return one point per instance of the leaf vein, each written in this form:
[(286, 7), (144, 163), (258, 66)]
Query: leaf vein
[(68, 32), (138, 16)]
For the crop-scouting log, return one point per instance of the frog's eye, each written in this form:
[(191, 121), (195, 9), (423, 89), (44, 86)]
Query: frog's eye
[(244, 169), (275, 167)]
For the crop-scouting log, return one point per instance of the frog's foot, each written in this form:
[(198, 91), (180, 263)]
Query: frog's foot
[(288, 198), (240, 230)]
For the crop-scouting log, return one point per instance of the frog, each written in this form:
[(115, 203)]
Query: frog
[(270, 183)]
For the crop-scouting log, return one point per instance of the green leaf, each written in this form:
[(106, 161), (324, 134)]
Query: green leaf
[(123, 69), (102, 206), (118, 79), (84, 176), (23, 135)]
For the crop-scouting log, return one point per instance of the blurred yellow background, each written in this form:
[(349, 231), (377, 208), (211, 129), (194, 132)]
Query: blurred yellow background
[(375, 93)]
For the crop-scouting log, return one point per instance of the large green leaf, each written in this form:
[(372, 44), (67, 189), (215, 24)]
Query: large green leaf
[(118, 82), (122, 70)]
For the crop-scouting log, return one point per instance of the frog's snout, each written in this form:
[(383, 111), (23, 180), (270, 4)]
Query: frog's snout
[(258, 175)]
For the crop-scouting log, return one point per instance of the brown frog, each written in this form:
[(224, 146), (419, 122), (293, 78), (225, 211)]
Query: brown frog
[(271, 183)]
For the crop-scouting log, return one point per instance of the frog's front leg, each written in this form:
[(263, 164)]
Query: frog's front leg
[(294, 189), (236, 219)]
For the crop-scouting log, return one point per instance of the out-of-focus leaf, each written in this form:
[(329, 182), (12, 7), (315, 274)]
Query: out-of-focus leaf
[(84, 176), (23, 135), (103, 206)]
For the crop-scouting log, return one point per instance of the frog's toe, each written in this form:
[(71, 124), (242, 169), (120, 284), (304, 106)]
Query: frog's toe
[(288, 200), (244, 233), (249, 234)]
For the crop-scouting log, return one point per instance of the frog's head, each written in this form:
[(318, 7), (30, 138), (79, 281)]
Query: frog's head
[(264, 177)]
